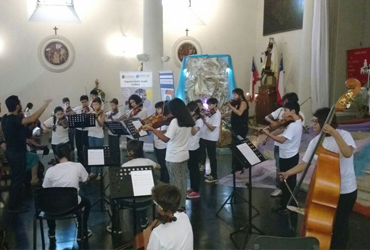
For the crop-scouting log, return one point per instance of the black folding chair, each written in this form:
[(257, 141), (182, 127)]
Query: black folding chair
[(294, 243), (56, 204)]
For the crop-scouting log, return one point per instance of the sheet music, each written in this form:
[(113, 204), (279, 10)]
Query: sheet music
[(248, 153), (142, 182), (137, 125), (95, 157)]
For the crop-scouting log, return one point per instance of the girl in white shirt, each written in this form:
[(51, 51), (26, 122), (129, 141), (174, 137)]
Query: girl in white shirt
[(177, 136), (96, 134), (194, 151), (342, 143), (58, 123), (160, 146), (135, 104)]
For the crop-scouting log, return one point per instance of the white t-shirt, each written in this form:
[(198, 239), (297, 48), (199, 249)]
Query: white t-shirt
[(293, 134), (194, 139), (214, 120), (277, 115), (60, 135), (347, 170), (158, 143), (114, 117), (78, 111), (177, 146), (177, 235), (143, 114), (138, 162), (96, 131), (67, 174)]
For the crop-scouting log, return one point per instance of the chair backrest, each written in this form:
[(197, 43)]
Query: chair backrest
[(56, 201), (299, 243)]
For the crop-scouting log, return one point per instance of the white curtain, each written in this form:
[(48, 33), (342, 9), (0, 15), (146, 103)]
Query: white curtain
[(320, 56)]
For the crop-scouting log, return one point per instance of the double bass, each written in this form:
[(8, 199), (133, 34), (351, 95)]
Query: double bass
[(323, 194)]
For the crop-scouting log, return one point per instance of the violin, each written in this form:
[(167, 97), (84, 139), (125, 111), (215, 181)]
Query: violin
[(85, 110), (156, 121), (63, 122), (234, 102), (130, 113), (113, 113)]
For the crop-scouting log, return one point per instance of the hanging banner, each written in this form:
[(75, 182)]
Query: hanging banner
[(141, 84), (167, 85), (358, 61)]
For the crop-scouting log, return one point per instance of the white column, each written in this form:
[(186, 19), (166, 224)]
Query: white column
[(153, 41)]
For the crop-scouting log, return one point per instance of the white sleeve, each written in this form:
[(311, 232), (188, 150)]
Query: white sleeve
[(152, 163), (309, 151), (347, 137), (289, 132), (199, 123), (143, 114), (154, 242), (304, 119), (171, 130), (83, 173), (49, 123), (46, 183), (276, 113)]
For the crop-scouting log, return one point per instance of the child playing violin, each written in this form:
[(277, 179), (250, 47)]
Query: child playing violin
[(289, 143), (342, 143), (69, 111), (114, 140), (160, 146), (96, 134), (137, 110), (58, 123)]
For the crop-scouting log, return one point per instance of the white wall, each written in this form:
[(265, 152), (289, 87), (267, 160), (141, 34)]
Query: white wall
[(22, 74)]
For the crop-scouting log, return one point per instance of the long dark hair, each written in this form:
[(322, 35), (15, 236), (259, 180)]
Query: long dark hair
[(163, 106), (137, 100), (57, 109), (240, 93), (181, 112)]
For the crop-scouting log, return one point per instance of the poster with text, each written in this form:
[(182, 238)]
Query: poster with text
[(358, 61), (167, 85)]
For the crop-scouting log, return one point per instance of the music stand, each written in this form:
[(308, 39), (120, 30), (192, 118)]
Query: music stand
[(117, 128), (122, 187), (132, 125), (100, 157), (249, 156)]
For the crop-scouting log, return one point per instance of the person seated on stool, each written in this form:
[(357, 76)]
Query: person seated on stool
[(68, 174), (172, 229)]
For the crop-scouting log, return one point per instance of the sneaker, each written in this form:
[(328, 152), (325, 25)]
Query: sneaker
[(193, 195), (144, 223), (202, 168), (189, 191), (109, 230), (98, 178), (88, 235), (210, 179), (277, 192)]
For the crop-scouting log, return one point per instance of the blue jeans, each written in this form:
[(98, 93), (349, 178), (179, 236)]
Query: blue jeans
[(276, 156), (96, 142)]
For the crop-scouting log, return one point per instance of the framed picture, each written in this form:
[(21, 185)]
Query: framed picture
[(185, 46), (56, 53), (282, 15)]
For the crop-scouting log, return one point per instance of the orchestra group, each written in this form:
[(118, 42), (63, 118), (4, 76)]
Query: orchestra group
[(184, 135)]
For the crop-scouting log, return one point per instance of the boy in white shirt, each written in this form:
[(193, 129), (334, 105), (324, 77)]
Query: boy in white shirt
[(172, 230), (114, 140), (67, 174), (210, 135), (69, 111), (289, 141), (273, 118)]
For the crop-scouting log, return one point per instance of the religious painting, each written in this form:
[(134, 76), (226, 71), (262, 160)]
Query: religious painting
[(185, 46), (282, 15), (56, 53)]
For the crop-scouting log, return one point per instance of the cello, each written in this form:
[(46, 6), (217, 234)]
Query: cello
[(324, 190)]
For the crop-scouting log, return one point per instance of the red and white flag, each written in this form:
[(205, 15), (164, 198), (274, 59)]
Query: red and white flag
[(280, 83), (254, 80)]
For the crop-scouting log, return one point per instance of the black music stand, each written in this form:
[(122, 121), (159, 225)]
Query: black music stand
[(107, 160), (249, 158), (129, 123), (81, 121), (116, 127), (121, 187)]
